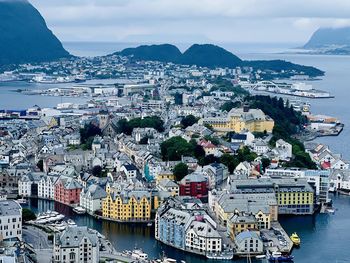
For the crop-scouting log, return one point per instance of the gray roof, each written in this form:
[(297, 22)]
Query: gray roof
[(10, 208), (73, 236)]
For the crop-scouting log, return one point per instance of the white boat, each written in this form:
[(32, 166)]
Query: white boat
[(138, 254), (70, 222), (22, 201), (79, 210), (60, 227)]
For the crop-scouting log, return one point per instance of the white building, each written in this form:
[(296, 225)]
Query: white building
[(10, 220), (248, 242), (91, 198), (76, 244), (46, 187), (202, 237)]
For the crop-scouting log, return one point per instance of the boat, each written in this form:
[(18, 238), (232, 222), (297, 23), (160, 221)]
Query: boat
[(60, 226), (260, 256), (295, 239), (138, 254), (79, 210), (149, 224), (22, 201), (278, 257), (71, 223)]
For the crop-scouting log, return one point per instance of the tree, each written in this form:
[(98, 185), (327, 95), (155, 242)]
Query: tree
[(230, 161), (89, 131), (126, 127), (180, 171), (144, 140), (97, 171), (189, 120), (265, 162), (28, 215), (176, 147), (229, 105), (40, 165)]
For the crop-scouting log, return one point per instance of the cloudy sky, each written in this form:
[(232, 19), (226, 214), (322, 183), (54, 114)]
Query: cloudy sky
[(185, 21)]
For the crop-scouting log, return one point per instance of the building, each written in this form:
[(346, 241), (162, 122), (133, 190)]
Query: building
[(239, 119), (168, 186), (10, 220), (184, 224), (239, 223), (28, 184), (294, 195), (67, 190), (249, 242), (76, 244), (129, 205), (46, 187), (91, 198), (194, 184)]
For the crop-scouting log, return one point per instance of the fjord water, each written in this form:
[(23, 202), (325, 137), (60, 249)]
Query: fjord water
[(325, 238)]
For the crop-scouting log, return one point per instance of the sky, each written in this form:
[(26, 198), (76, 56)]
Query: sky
[(189, 21)]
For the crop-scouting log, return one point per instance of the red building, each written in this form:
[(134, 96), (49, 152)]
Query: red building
[(67, 190), (194, 184)]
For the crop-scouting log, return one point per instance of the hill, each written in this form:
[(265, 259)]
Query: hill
[(327, 37), (212, 56), (24, 36), (209, 56), (163, 53)]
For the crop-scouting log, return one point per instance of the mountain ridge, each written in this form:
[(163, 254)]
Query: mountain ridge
[(211, 56), (24, 35)]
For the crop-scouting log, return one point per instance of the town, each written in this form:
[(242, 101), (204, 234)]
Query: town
[(191, 152)]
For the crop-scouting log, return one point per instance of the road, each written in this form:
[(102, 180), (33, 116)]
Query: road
[(36, 237)]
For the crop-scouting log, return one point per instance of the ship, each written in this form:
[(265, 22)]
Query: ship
[(278, 257), (295, 239)]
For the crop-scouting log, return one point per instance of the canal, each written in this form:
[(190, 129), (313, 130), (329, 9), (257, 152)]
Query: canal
[(325, 237)]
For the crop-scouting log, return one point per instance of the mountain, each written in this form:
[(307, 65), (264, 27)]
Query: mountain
[(163, 53), (24, 36), (328, 38), (205, 55), (211, 56)]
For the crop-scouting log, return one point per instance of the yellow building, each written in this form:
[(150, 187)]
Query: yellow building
[(295, 201), (129, 206), (239, 223), (238, 119), (165, 175)]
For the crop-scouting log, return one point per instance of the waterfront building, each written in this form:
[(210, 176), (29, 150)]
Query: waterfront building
[(46, 187), (319, 179), (194, 184), (184, 224), (239, 119), (28, 184), (294, 195), (91, 198), (263, 206), (67, 190), (129, 205), (239, 223), (76, 244), (249, 242), (10, 220)]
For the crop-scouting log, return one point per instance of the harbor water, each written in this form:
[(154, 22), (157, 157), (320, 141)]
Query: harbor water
[(325, 238)]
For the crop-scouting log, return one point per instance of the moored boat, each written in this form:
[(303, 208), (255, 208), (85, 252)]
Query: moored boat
[(278, 257), (295, 239), (79, 210)]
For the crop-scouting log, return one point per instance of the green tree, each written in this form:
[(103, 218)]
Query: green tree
[(28, 215), (97, 171), (180, 171), (189, 120), (265, 162), (175, 147)]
